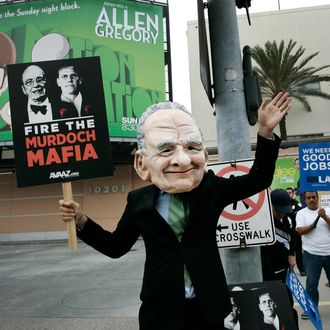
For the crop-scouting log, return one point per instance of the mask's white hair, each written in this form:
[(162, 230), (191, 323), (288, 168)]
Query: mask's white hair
[(152, 109)]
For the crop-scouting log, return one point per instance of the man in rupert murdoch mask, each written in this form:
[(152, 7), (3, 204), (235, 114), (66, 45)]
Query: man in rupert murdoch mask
[(184, 286)]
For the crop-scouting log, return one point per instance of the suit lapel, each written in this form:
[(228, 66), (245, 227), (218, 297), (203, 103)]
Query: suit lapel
[(151, 221)]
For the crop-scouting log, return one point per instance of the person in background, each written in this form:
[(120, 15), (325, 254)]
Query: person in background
[(313, 224), (184, 285), (295, 205), (277, 258), (296, 237)]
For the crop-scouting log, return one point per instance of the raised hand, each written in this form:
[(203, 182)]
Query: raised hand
[(271, 113)]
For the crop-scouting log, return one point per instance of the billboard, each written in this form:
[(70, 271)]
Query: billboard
[(126, 35), (59, 123)]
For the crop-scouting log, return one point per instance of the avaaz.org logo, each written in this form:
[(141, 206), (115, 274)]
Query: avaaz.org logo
[(63, 174)]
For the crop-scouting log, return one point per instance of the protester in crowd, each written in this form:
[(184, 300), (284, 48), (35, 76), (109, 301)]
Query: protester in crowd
[(295, 205), (278, 258), (184, 286), (296, 237), (313, 223)]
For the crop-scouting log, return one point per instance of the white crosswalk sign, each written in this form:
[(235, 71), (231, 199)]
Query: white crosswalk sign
[(247, 222)]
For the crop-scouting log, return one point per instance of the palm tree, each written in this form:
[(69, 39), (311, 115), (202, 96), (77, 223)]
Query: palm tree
[(283, 68)]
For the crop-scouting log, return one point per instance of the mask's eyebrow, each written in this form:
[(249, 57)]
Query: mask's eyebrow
[(164, 144), (194, 142), (169, 143)]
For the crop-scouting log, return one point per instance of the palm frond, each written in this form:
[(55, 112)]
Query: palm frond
[(302, 99), (285, 67)]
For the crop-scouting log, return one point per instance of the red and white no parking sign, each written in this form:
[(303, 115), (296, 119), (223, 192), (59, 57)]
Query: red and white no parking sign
[(247, 222)]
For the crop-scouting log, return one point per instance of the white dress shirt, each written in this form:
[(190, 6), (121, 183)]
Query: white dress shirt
[(39, 117)]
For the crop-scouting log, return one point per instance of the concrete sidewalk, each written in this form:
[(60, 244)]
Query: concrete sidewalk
[(47, 286)]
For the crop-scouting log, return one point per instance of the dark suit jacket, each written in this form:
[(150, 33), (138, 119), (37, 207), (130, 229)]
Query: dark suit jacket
[(68, 110), (274, 258), (265, 326), (162, 294)]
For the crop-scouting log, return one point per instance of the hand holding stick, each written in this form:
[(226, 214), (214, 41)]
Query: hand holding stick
[(70, 222)]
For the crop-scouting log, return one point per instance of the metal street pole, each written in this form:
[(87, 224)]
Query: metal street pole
[(241, 265)]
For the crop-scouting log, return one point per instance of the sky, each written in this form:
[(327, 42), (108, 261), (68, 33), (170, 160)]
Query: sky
[(182, 11)]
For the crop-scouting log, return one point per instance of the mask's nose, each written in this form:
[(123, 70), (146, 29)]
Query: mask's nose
[(180, 157)]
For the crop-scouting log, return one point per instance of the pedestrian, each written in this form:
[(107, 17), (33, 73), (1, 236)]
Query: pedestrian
[(278, 258), (313, 223), (296, 237)]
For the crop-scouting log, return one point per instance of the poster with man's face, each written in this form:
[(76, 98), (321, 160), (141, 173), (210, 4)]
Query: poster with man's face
[(260, 306), (59, 121)]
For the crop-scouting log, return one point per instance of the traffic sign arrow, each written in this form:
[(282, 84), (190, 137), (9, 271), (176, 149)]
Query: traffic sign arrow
[(219, 227)]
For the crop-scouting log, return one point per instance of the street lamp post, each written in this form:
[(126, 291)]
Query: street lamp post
[(241, 265)]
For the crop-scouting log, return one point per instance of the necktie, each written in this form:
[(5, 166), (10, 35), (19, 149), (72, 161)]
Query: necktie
[(176, 215), (177, 221), (37, 108)]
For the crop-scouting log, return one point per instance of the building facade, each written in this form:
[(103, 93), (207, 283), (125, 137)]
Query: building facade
[(32, 213), (306, 26)]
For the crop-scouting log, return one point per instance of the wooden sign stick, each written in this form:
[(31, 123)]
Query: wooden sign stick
[(70, 224)]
